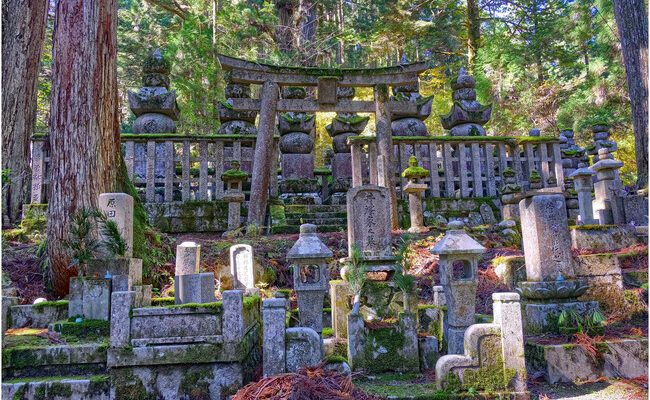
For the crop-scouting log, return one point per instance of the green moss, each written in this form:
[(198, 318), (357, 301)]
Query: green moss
[(252, 302), (322, 171), (353, 120), (162, 301), (59, 389), (129, 387), (327, 332), (57, 303), (213, 307), (335, 359), (592, 227), (141, 137), (414, 171), (296, 118), (225, 104), (39, 393), (88, 328), (197, 384), (20, 393)]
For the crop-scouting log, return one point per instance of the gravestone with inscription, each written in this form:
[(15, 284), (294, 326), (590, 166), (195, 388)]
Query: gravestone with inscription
[(190, 285), (242, 267), (369, 226), (118, 207), (551, 286)]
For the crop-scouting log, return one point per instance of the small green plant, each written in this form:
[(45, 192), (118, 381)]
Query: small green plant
[(401, 278), (570, 322), (82, 243), (356, 276), (112, 239)]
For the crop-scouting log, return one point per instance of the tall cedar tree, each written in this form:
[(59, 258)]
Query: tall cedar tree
[(84, 125), (632, 22), (23, 31)]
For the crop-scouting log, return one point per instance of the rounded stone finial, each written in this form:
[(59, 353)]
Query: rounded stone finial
[(156, 63), (535, 132), (307, 228), (456, 225)]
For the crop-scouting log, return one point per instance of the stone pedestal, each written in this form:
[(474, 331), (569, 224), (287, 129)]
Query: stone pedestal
[(297, 166), (190, 286), (273, 342), (583, 183), (90, 298), (340, 302), (415, 191)]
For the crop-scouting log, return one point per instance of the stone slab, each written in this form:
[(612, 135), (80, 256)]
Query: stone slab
[(538, 317), (610, 239), (159, 322), (36, 317), (242, 266), (303, 348), (369, 225), (111, 268), (118, 207)]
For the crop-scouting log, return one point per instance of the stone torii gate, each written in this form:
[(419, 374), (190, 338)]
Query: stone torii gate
[(273, 77)]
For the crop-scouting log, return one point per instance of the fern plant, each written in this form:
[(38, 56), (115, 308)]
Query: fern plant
[(112, 240), (401, 278), (569, 322), (356, 276)]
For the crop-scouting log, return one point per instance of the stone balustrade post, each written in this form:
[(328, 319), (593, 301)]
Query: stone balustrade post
[(583, 184), (233, 315), (507, 314), (120, 326), (273, 341), (608, 204)]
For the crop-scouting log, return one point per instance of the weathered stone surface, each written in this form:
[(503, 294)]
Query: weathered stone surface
[(296, 143), (636, 209), (369, 227), (342, 167), (507, 314), (74, 389), (28, 315), (121, 304), (237, 127), (624, 358), (297, 166), (122, 271), (174, 325), (539, 317), (118, 207), (273, 316), (142, 296), (487, 214), (340, 304), (303, 348), (233, 318), (296, 122), (408, 127), (188, 258), (547, 243), (602, 240), (96, 298), (467, 130), (428, 349), (340, 143), (510, 270), (242, 266), (194, 288), (154, 123)]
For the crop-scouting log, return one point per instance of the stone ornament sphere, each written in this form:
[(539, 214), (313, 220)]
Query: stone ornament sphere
[(238, 91), (408, 127), (296, 143), (154, 123), (600, 128), (344, 272), (553, 289), (339, 143)]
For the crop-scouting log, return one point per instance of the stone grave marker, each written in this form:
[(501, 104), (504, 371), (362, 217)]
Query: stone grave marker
[(241, 266), (369, 225), (119, 208)]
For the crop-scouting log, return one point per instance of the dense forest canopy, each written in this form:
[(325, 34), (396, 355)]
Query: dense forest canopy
[(551, 64)]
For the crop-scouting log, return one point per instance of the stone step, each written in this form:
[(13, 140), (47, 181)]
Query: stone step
[(317, 221), (321, 215), (59, 387), (296, 228), (313, 208)]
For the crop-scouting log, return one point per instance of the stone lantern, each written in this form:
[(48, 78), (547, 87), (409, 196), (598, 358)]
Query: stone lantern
[(459, 255), (608, 204), (234, 179), (309, 258), (414, 173), (583, 184)]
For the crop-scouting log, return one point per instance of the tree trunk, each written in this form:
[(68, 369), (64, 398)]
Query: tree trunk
[(631, 19), (473, 24), (23, 32), (84, 124), (307, 28), (285, 36)]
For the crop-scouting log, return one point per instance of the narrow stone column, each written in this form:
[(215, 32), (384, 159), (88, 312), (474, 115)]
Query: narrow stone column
[(233, 315), (583, 184), (273, 342), (414, 173), (507, 314), (339, 295), (608, 204), (385, 146), (263, 157), (188, 257), (121, 304)]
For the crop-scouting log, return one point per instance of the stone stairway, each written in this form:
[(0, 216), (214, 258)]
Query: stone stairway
[(328, 218)]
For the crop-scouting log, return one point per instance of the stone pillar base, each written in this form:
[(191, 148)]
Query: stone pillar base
[(456, 339), (542, 317), (194, 288)]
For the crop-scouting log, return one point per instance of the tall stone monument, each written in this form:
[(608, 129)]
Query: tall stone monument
[(608, 204), (156, 110), (242, 266), (467, 115), (343, 126), (236, 122), (551, 284), (406, 123)]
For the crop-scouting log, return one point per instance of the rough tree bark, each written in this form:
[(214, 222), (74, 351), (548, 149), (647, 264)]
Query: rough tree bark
[(84, 123), (632, 22), (473, 25), (23, 31), (285, 32)]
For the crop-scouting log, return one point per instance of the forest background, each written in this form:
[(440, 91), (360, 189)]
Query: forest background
[(550, 64)]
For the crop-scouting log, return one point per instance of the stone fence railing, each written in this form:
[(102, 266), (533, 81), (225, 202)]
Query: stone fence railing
[(463, 166), (168, 167)]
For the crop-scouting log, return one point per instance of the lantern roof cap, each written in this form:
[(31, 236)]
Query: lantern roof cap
[(308, 245), (457, 241)]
